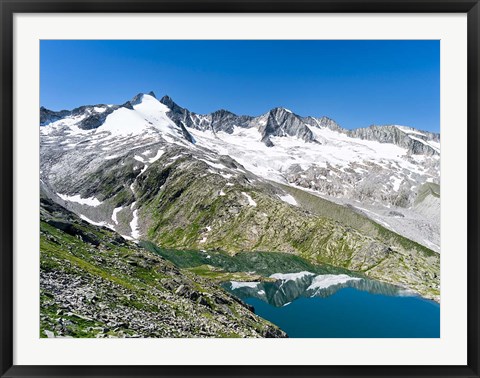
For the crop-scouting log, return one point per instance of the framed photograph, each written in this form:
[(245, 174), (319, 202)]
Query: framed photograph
[(239, 188)]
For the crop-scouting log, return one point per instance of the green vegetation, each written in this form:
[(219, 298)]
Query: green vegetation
[(349, 217), (185, 211), (95, 284), (263, 264)]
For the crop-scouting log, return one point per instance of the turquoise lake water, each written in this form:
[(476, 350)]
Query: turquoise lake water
[(344, 304), (353, 313)]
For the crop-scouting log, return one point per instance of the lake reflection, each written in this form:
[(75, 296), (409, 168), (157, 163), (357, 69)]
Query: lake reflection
[(308, 305)]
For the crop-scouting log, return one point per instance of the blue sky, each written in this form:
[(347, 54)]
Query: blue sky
[(357, 83)]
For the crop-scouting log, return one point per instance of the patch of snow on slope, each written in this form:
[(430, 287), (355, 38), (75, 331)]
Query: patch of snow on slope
[(214, 165), (327, 280), (434, 145), (159, 154), (123, 121), (67, 123), (408, 130), (101, 224), (396, 182), (115, 212), (338, 150), (155, 112), (111, 157), (289, 199), (251, 202), (134, 225), (90, 201), (145, 167)]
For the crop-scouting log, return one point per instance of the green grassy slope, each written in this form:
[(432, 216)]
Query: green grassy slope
[(95, 284)]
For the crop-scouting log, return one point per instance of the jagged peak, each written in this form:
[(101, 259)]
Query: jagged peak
[(137, 99), (327, 119), (281, 109), (166, 98), (222, 112), (169, 103), (129, 104)]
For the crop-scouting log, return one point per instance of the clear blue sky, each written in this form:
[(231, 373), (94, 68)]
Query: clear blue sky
[(357, 83)]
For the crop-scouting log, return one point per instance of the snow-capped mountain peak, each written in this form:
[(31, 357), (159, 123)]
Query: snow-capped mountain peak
[(282, 122), (142, 115), (155, 113), (383, 167)]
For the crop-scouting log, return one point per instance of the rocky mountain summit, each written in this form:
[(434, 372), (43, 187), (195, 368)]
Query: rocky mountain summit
[(416, 142), (276, 122), (282, 122)]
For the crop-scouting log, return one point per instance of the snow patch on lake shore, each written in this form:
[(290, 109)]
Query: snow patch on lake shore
[(291, 276), (238, 285), (327, 280)]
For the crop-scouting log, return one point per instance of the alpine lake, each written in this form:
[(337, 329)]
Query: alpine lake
[(313, 301)]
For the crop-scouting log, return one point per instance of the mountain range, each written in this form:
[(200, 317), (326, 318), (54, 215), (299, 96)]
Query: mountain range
[(366, 200)]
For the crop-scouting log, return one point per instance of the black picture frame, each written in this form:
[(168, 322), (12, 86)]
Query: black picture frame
[(9, 8)]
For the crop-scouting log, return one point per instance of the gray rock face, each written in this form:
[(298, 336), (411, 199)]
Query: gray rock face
[(277, 122), (394, 135), (95, 119), (137, 99), (89, 116), (322, 122), (48, 116), (223, 120), (282, 122), (182, 116), (220, 120)]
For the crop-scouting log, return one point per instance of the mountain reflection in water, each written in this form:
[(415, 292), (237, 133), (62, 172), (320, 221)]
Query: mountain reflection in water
[(288, 287)]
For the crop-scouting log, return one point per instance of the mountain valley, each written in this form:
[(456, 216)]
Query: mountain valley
[(151, 174)]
